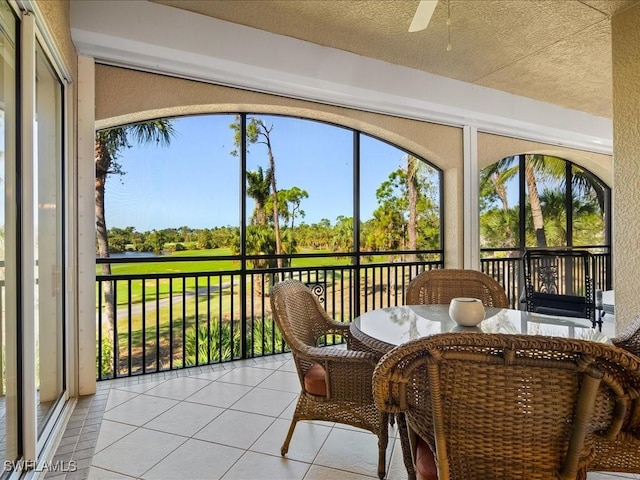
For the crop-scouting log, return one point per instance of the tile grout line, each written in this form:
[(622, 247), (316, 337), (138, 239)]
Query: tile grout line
[(90, 409)]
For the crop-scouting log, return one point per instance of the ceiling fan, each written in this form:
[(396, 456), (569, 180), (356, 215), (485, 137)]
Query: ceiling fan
[(423, 15)]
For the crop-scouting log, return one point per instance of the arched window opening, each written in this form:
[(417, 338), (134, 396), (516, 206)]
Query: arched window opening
[(541, 201), (198, 231)]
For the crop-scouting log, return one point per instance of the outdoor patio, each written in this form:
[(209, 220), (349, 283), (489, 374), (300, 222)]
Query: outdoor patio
[(225, 421)]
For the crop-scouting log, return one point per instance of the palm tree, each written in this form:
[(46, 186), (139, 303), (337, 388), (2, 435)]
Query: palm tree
[(258, 132), (539, 168), (259, 189), (108, 145), (504, 170)]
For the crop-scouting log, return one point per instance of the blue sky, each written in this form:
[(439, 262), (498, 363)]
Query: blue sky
[(196, 181)]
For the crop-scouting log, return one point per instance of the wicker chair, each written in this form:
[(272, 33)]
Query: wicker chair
[(622, 453), (336, 382), (629, 339), (497, 406), (440, 286)]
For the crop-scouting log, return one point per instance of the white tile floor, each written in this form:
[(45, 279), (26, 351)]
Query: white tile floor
[(228, 422)]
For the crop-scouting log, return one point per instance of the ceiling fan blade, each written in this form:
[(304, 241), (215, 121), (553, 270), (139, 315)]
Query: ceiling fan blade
[(423, 15)]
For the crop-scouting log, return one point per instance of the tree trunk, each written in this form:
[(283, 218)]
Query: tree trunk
[(501, 191), (412, 193), (102, 163), (536, 207), (276, 212)]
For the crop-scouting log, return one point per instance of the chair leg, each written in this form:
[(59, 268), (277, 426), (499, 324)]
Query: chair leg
[(406, 446), (285, 445), (383, 441)]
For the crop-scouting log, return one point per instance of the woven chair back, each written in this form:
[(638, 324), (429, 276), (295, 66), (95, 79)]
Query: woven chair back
[(440, 286), (495, 406), (629, 338), (298, 314)]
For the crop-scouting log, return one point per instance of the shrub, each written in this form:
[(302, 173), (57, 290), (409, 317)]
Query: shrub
[(216, 345), (106, 360)]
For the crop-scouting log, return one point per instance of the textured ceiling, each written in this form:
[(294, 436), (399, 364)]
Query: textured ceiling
[(555, 51)]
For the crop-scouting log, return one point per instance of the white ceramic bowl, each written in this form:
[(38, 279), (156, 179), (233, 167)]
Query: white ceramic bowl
[(465, 311)]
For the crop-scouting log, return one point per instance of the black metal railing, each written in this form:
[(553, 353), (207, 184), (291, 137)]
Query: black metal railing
[(201, 313), (204, 312)]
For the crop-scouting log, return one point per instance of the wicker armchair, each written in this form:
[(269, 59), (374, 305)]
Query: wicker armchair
[(336, 382), (496, 406), (629, 339), (622, 453), (440, 286)]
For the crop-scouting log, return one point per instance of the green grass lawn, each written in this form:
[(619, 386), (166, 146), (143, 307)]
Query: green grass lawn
[(132, 292), (216, 306)]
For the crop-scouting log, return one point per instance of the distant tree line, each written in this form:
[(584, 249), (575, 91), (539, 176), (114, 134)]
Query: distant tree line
[(384, 232)]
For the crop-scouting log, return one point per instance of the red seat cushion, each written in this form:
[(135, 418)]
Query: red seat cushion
[(315, 380), (425, 462)]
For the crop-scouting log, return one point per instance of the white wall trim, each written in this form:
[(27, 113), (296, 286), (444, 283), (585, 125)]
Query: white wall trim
[(471, 194), (193, 46), (27, 300), (46, 39), (86, 277)]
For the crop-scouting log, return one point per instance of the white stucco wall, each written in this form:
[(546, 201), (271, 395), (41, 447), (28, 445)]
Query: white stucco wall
[(626, 177)]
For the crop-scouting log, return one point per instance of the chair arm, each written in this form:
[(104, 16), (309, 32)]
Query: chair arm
[(334, 327), (324, 354), (348, 373)]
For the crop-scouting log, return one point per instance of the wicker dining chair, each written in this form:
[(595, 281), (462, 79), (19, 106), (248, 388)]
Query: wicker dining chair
[(335, 382), (497, 406), (622, 453), (629, 338), (440, 286)]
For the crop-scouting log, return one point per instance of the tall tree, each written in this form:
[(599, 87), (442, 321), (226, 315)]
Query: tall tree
[(534, 200), (108, 145), (259, 189), (538, 169), (406, 208), (257, 132), (413, 190)]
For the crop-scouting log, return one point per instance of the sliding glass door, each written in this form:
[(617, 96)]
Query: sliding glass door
[(32, 244), (49, 240), (9, 398)]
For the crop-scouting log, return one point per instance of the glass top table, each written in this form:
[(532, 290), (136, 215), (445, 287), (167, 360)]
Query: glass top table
[(385, 328)]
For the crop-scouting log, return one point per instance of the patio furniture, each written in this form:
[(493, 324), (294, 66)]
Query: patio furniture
[(496, 406), (629, 338), (440, 286), (382, 329), (621, 454), (560, 282), (335, 382)]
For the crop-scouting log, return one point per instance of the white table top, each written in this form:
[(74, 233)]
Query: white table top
[(396, 325)]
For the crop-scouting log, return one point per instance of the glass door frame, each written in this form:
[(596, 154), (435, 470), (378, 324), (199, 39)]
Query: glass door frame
[(36, 448)]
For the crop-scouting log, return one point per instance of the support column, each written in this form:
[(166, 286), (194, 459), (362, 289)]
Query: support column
[(86, 278), (625, 42), (471, 193)]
